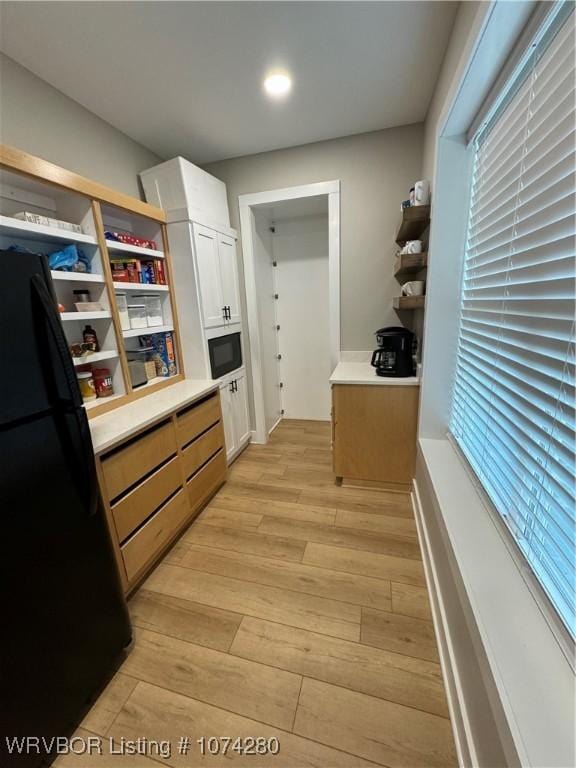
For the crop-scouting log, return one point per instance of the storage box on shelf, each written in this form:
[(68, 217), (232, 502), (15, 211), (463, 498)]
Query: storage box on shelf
[(65, 217)]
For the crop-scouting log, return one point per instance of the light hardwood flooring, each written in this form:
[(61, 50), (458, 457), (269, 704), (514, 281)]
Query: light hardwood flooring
[(291, 608)]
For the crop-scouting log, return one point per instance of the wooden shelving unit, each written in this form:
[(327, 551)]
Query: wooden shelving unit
[(29, 183), (406, 264), (409, 302), (415, 221)]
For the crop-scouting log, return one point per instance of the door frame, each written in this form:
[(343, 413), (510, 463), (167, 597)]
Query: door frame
[(247, 223)]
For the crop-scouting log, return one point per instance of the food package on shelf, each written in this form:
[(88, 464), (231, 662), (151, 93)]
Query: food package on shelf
[(46, 221)]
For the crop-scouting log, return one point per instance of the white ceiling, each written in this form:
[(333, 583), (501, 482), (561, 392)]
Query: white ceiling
[(184, 78)]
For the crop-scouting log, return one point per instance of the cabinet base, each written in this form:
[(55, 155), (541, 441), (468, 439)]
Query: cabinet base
[(354, 482)]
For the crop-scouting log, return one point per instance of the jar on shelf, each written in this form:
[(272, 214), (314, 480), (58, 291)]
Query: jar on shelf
[(86, 384), (103, 382)]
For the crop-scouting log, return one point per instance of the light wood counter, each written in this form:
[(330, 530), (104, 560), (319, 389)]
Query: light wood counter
[(114, 427)]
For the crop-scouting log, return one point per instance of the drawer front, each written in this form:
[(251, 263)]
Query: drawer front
[(191, 423), (205, 482), (137, 505), (128, 465), (143, 546), (201, 449)]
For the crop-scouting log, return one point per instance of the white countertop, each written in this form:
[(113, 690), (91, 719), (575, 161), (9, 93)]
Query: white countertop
[(113, 427), (364, 373)]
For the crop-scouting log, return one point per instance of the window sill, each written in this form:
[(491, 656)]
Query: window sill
[(532, 676)]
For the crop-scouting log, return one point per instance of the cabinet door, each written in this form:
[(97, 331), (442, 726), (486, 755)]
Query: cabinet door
[(374, 432), (226, 403), (229, 276), (240, 408), (208, 260)]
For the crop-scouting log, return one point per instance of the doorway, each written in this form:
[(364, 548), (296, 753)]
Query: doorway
[(291, 247)]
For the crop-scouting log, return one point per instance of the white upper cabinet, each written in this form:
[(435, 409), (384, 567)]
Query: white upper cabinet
[(218, 277), (229, 277), (206, 242)]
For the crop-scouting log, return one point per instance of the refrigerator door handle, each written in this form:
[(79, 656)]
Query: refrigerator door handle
[(53, 322), (88, 489), (84, 472)]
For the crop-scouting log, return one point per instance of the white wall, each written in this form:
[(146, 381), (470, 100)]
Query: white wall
[(42, 121), (302, 310), (452, 69), (376, 171)]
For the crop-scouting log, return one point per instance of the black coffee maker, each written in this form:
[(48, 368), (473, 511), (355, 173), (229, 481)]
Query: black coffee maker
[(395, 354)]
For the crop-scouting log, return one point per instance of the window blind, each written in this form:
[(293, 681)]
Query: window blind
[(513, 396)]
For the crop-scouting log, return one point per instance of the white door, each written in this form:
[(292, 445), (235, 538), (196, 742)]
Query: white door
[(302, 311), (208, 259), (229, 277), (228, 417), (240, 409)]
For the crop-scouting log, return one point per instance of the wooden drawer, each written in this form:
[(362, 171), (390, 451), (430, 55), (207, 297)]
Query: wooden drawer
[(205, 482), (201, 449), (197, 419), (125, 467), (145, 544), (139, 503)]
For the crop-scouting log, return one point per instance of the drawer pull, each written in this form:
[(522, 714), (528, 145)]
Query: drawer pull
[(144, 545), (194, 421), (125, 467), (141, 501), (198, 452)]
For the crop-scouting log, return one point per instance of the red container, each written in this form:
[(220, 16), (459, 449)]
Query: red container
[(102, 382)]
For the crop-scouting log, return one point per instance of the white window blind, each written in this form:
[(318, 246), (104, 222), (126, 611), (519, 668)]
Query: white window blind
[(513, 398)]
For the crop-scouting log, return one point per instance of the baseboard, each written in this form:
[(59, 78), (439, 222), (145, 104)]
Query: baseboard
[(376, 485), (273, 427), (465, 750), (239, 450), (254, 438)]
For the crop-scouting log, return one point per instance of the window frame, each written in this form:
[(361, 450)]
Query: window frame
[(502, 93)]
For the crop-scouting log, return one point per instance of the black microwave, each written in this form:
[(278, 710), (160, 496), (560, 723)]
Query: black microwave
[(225, 354)]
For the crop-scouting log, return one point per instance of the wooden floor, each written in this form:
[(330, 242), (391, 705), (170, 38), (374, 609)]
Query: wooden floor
[(291, 608)]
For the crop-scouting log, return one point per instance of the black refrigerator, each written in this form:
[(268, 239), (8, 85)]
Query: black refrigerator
[(63, 619)]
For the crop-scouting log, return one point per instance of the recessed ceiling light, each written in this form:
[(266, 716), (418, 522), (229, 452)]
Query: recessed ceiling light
[(277, 85)]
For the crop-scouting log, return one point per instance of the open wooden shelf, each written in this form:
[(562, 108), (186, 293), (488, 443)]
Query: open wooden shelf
[(414, 222), (26, 230), (82, 316), (77, 277), (60, 194), (148, 331), (408, 302), (115, 247), (95, 357), (140, 287), (409, 263)]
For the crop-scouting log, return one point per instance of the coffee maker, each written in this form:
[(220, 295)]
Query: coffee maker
[(395, 354)]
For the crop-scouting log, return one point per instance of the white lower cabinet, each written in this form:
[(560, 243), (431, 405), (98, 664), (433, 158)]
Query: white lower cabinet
[(234, 399)]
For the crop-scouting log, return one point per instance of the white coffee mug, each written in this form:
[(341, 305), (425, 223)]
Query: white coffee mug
[(413, 246), (413, 288), (422, 192)]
